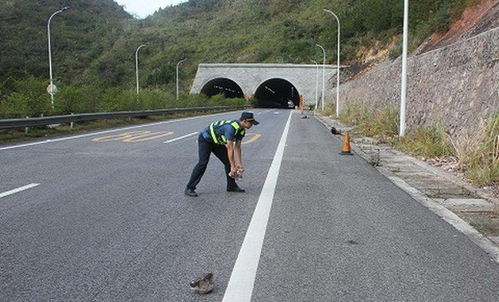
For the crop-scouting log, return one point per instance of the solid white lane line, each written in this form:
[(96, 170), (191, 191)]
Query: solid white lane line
[(104, 132), (243, 276), (181, 137), (26, 187)]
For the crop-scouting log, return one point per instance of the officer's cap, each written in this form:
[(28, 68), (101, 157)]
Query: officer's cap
[(248, 116)]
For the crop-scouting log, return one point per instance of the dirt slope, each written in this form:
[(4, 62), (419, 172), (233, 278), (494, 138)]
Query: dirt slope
[(474, 20)]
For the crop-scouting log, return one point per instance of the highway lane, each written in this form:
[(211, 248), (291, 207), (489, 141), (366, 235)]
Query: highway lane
[(340, 231), (109, 221), (110, 216)]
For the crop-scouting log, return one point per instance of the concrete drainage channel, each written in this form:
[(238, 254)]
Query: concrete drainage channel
[(468, 209)]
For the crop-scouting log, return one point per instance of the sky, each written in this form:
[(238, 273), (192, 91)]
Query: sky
[(144, 8)]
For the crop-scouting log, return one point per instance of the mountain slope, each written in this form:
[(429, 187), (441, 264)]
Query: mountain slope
[(79, 36), (94, 43), (269, 31)]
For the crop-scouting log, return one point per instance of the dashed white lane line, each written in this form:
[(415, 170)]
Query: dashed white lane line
[(181, 137), (26, 187), (242, 280)]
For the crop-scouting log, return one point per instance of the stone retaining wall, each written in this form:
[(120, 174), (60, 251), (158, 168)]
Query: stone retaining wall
[(457, 85)]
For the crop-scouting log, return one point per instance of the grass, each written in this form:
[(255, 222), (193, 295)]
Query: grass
[(426, 142), (477, 152), (381, 123)]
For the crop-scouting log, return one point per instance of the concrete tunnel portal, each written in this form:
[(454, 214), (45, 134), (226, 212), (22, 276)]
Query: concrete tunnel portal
[(277, 93), (273, 93), (224, 86)]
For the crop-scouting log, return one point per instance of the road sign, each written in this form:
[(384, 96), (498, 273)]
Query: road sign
[(51, 89)]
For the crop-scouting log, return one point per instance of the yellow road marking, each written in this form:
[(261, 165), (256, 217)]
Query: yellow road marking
[(140, 136), (147, 136), (134, 136), (115, 137), (254, 137)]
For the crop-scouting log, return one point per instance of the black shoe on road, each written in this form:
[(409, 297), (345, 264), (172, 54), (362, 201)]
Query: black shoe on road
[(236, 189), (191, 193)]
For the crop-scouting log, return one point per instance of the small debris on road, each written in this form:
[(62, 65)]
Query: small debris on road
[(203, 285)]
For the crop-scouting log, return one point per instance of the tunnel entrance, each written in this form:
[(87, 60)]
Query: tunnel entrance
[(224, 86), (277, 93)]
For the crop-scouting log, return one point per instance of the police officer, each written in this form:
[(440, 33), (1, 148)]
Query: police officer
[(223, 138)]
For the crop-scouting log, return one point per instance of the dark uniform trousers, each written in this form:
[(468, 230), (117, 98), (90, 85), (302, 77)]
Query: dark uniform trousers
[(205, 149)]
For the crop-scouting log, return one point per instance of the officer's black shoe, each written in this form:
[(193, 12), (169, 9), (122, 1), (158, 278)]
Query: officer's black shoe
[(236, 189), (191, 193)]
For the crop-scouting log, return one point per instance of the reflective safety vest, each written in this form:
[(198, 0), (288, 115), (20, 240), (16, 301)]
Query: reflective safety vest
[(220, 139)]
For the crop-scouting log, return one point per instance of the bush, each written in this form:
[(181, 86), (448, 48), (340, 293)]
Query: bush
[(15, 106), (28, 97), (122, 100), (155, 99), (376, 15), (77, 100)]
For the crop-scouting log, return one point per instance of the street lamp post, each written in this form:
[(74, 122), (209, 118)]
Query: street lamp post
[(179, 62), (137, 68), (403, 88), (337, 67), (323, 74), (51, 89), (316, 84)]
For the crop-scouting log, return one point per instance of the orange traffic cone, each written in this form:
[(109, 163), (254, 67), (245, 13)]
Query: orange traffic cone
[(345, 148)]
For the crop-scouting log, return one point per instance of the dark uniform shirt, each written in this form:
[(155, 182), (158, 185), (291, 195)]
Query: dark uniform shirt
[(226, 130)]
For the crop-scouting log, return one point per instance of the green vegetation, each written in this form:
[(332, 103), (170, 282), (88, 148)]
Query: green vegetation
[(426, 142), (381, 123), (94, 43), (477, 153), (79, 36), (28, 98)]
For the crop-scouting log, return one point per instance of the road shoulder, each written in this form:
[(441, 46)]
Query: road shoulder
[(469, 210)]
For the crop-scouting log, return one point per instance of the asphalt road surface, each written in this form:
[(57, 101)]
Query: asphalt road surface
[(102, 217)]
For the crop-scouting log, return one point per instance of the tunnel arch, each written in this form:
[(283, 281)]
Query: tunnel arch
[(277, 93), (227, 87)]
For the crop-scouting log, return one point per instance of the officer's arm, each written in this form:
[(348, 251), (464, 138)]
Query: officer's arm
[(239, 156), (230, 155)]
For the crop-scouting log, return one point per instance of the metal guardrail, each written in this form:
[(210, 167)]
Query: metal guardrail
[(61, 119)]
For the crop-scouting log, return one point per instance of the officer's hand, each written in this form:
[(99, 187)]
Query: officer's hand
[(233, 172), (240, 167)]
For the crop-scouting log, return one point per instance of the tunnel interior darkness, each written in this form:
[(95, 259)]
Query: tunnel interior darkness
[(277, 93), (224, 86)]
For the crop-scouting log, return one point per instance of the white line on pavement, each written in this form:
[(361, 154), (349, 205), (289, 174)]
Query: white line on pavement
[(181, 137), (243, 276), (26, 187)]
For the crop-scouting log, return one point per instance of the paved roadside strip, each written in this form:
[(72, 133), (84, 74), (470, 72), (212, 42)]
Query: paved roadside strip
[(467, 209)]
